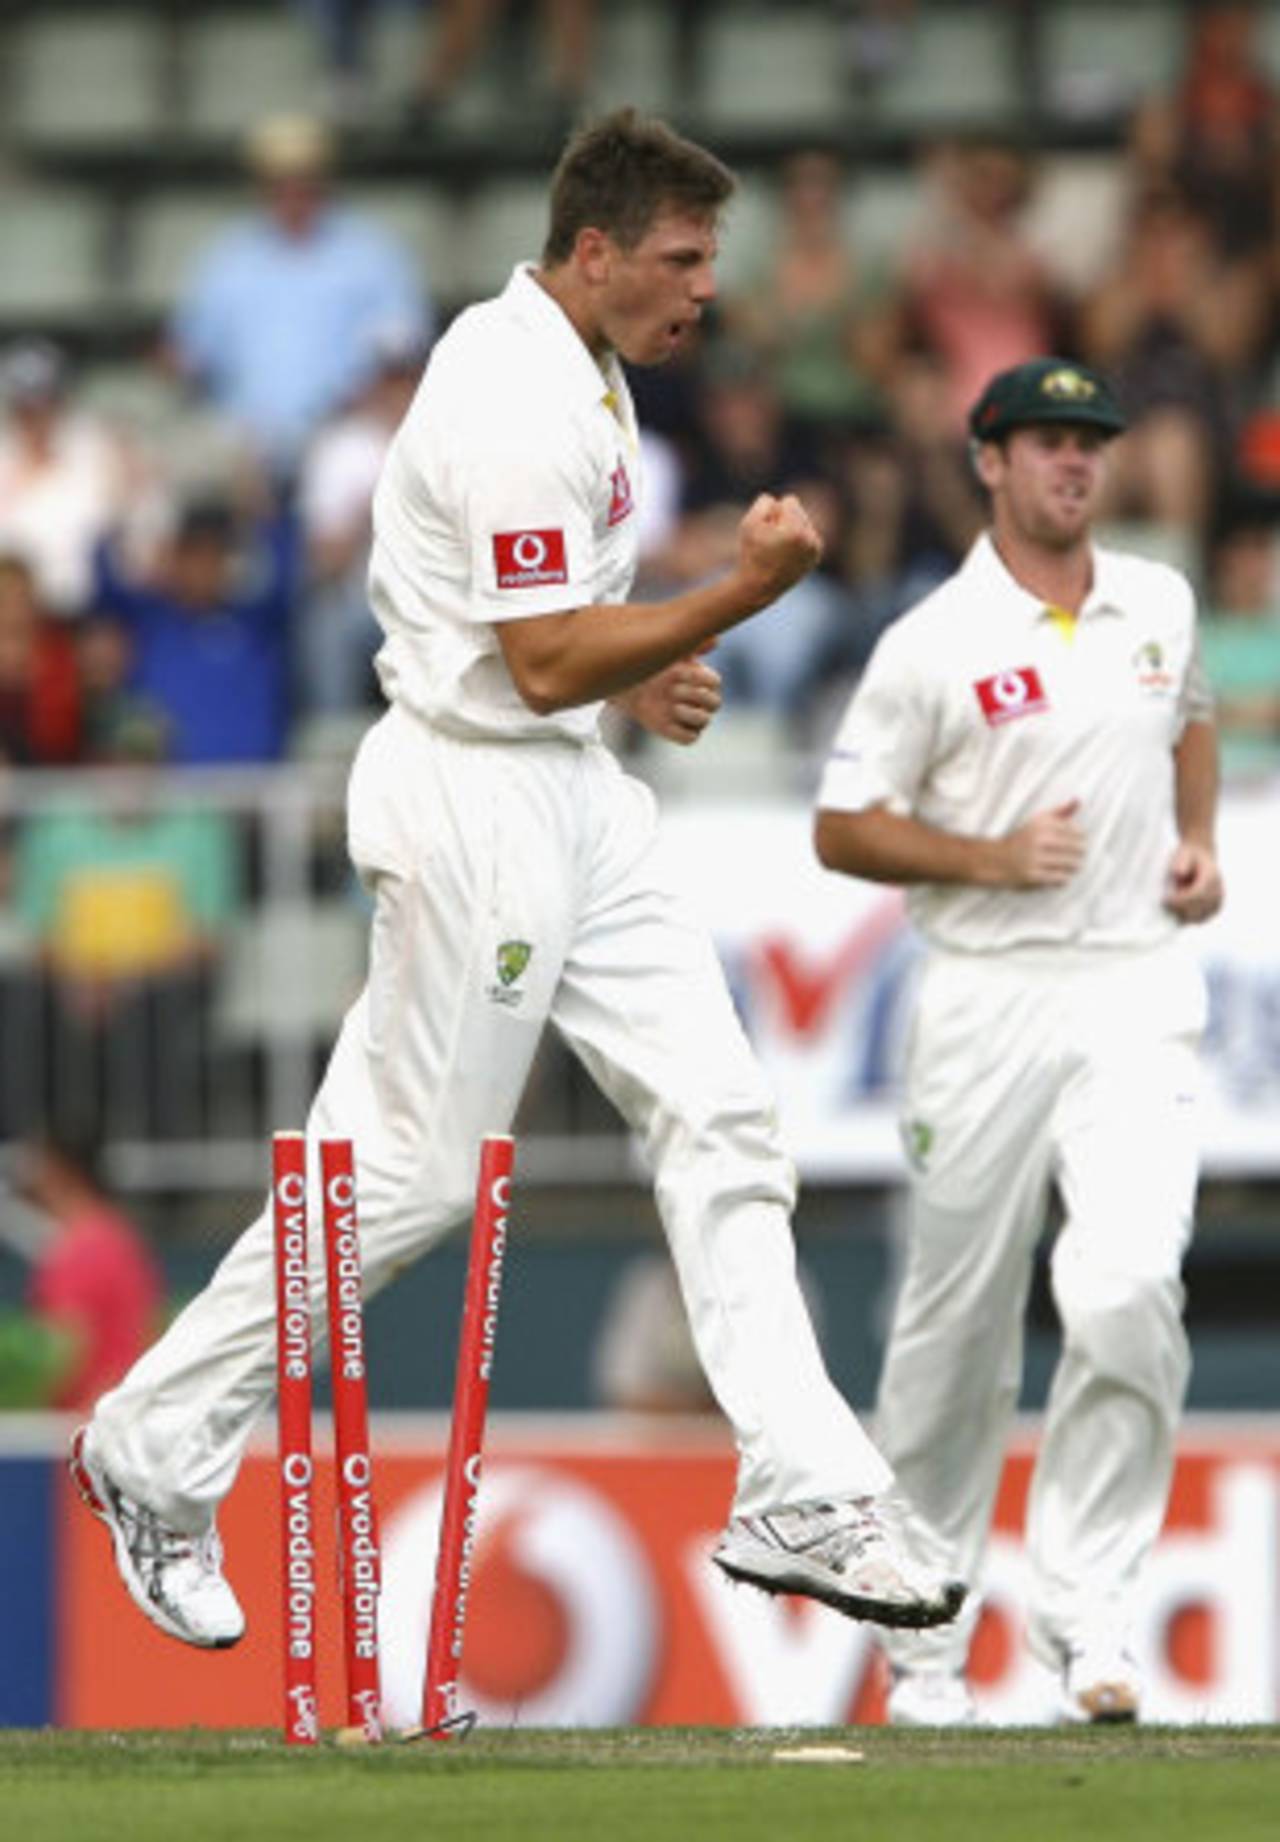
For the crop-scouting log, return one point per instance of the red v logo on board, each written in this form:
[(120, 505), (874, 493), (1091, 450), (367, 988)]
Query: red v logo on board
[(808, 992)]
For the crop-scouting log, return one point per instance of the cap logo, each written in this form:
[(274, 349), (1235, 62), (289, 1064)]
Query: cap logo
[(1067, 386)]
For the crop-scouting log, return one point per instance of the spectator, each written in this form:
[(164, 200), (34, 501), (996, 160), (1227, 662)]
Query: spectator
[(946, 500), (337, 634), (644, 1360), (210, 634), (39, 685), (109, 708), (743, 441), (745, 444), (95, 1293), (975, 293), (1214, 139), (877, 40), (913, 508), (825, 320), (65, 477), (278, 320), (341, 28), (460, 27), (124, 897), (1177, 327), (1240, 639)]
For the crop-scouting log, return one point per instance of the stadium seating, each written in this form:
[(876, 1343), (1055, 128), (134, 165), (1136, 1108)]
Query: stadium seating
[(636, 59), (54, 267), (959, 67), (169, 229), (83, 78), (429, 223), (755, 62), (240, 67), (143, 103), (504, 221), (1097, 58)]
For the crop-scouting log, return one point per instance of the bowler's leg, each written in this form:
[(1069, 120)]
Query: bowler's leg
[(433, 1055)]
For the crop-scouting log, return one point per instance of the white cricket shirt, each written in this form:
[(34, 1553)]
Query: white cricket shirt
[(978, 710), (509, 491)]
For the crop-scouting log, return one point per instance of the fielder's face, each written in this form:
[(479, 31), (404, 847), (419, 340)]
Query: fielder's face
[(1046, 481), (652, 295)]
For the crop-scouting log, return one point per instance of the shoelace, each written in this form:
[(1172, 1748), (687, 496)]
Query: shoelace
[(209, 1552), (156, 1546), (854, 1537)]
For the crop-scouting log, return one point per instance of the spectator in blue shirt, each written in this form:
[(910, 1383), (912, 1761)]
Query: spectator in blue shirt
[(284, 307), (210, 636)]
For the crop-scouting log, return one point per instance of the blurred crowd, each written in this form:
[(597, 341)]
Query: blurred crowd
[(192, 590), (206, 589), (188, 587)]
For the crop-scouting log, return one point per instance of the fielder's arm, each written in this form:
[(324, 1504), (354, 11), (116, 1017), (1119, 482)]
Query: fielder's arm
[(1194, 889), (892, 847)]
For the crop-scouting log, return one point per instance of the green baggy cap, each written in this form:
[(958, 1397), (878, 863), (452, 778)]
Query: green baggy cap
[(1045, 390)]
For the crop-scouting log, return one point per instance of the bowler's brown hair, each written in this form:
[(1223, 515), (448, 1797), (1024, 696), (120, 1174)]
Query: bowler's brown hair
[(618, 173)]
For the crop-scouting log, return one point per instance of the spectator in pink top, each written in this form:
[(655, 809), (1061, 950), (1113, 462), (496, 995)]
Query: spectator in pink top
[(94, 1283), (976, 294)]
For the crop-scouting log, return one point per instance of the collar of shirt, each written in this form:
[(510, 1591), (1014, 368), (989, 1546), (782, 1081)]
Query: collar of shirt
[(988, 575), (529, 302), (594, 382)]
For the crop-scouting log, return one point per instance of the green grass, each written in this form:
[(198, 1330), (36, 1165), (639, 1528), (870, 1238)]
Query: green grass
[(648, 1785)]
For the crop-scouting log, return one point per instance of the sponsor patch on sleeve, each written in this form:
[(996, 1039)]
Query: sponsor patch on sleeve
[(529, 559), (1017, 692), (621, 503)]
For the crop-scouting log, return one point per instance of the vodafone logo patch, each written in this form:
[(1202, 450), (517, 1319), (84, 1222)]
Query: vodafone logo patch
[(1017, 692), (528, 559)]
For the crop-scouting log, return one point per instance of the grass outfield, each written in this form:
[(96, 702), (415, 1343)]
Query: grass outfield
[(649, 1785)]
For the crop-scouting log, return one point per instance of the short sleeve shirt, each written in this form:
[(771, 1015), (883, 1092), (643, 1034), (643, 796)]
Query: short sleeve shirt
[(980, 708), (508, 492)]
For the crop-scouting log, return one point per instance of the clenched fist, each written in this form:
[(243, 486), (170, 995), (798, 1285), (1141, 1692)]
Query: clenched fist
[(1193, 888), (677, 703), (777, 544)]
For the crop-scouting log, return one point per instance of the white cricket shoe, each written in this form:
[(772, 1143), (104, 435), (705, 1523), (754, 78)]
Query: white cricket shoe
[(930, 1698), (175, 1579), (841, 1553), (1100, 1683)]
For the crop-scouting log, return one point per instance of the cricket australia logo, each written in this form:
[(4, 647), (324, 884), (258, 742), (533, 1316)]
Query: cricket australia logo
[(1152, 668), (1068, 386), (510, 962)]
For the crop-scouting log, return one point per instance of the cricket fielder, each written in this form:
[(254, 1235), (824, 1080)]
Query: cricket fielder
[(1031, 752)]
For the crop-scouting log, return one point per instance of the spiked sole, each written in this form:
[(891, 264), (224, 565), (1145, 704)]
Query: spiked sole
[(786, 1575)]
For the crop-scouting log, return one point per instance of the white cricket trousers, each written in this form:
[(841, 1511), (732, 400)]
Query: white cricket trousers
[(466, 846), (1026, 1071)]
